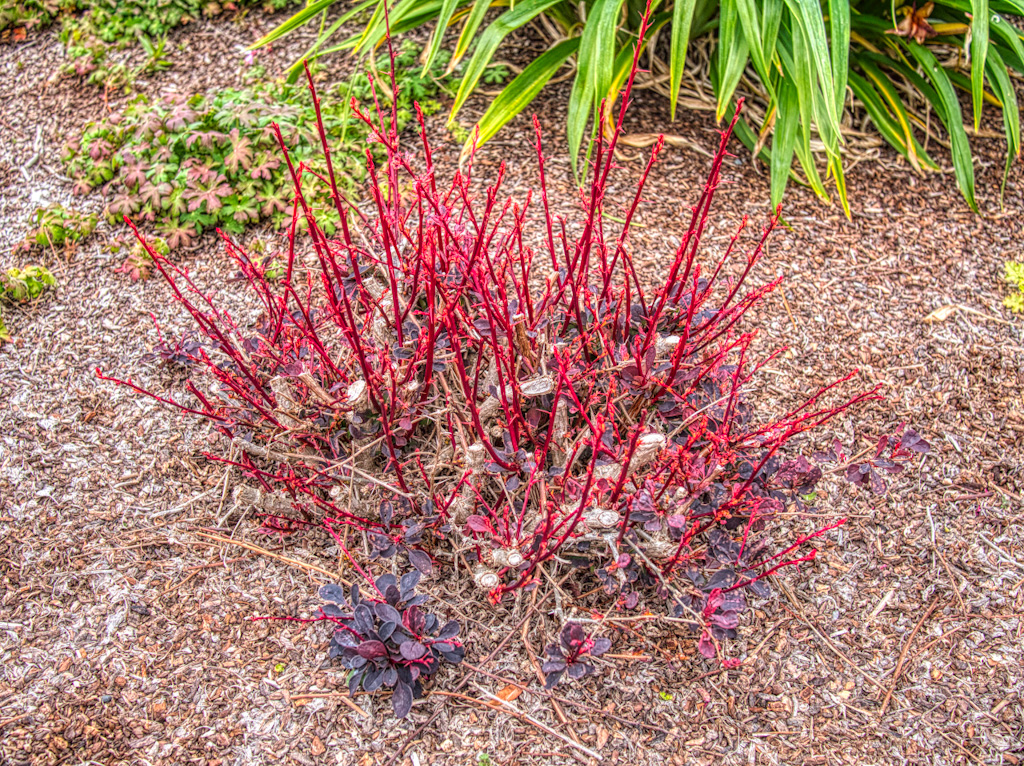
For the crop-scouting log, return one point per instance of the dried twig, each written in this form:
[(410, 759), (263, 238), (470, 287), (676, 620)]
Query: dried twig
[(564, 700), (333, 576), (903, 655), (506, 707)]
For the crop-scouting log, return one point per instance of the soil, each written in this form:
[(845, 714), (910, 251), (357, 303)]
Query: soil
[(125, 615)]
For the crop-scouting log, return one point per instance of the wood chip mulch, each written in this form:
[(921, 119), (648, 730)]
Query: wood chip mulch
[(125, 610)]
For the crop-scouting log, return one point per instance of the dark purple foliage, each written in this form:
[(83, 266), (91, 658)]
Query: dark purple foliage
[(892, 454), (566, 658), (388, 640)]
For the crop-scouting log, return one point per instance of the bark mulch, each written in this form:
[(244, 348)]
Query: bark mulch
[(125, 610)]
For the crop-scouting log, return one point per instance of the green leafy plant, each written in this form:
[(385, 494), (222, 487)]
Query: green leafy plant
[(56, 226), (26, 14), (188, 164), (138, 264), (20, 286), (1015, 276), (795, 59)]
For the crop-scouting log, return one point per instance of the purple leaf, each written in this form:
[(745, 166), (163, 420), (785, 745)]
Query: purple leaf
[(450, 630), (601, 645), (384, 581), (420, 560), (373, 679), (706, 646), (552, 679), (912, 441), (573, 635), (412, 650), (362, 619), (401, 700), (371, 650), (333, 593), (414, 620), (553, 666), (387, 613), (579, 669), (479, 524), (726, 620), (409, 581), (723, 578)]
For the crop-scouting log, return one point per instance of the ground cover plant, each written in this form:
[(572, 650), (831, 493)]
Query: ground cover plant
[(187, 164), (21, 286), (902, 60), (420, 378), (91, 29), (56, 226), (117, 22), (1015, 277)]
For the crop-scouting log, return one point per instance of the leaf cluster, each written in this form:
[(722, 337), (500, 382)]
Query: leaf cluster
[(800, 57), (56, 226), (569, 655), (28, 14), (387, 640), (188, 164)]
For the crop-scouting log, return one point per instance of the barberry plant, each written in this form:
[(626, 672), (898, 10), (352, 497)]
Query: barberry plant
[(569, 655), (893, 453), (387, 640), (191, 164), (426, 375)]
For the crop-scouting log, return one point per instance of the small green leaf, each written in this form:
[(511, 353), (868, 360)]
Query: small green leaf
[(447, 9), (732, 56)]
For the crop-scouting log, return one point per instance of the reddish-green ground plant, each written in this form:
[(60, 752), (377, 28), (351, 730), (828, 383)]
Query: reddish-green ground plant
[(429, 378)]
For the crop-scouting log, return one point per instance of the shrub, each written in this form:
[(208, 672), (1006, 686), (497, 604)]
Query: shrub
[(416, 379), (192, 164), (799, 56), (1015, 276)]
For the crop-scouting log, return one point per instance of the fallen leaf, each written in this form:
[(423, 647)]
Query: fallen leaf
[(19, 34), (941, 314), (509, 694), (318, 747), (602, 737)]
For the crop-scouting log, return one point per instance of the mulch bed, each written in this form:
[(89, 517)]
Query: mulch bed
[(125, 611)]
